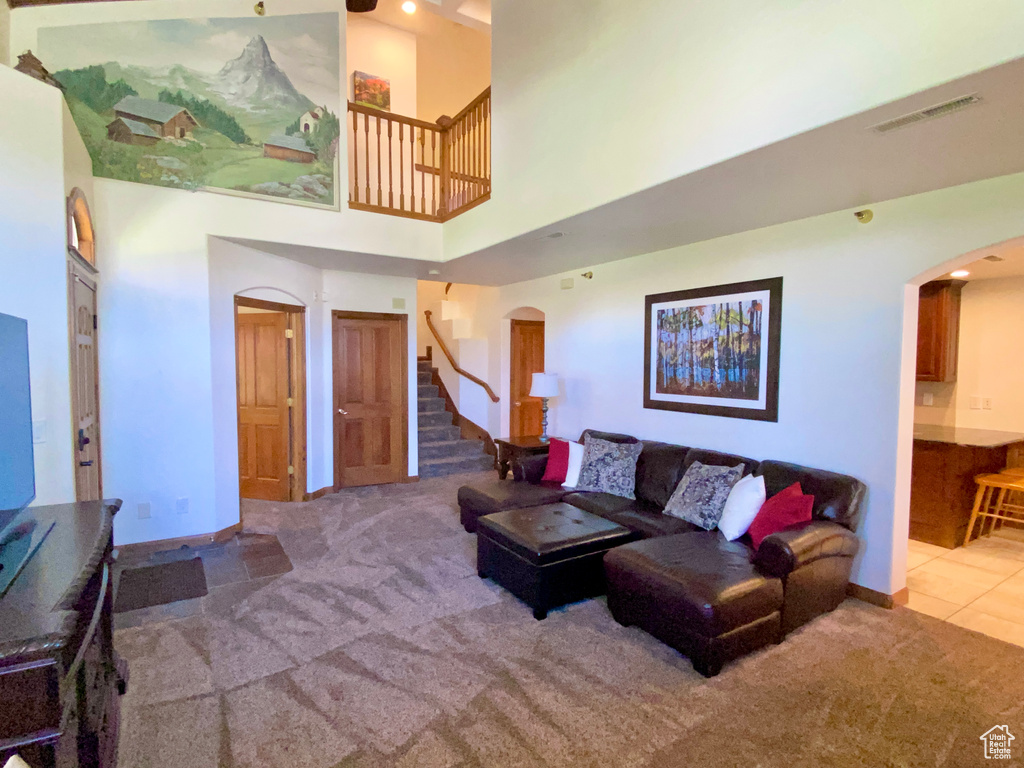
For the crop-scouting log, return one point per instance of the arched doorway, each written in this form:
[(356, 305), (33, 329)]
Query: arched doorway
[(526, 358), (84, 361), (962, 416), (270, 359)]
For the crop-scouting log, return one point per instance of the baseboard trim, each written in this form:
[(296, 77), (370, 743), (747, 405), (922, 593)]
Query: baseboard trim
[(881, 599), (146, 548), (318, 494)]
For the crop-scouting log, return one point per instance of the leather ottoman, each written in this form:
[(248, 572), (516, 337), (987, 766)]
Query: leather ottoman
[(548, 555), (486, 498), (698, 593)]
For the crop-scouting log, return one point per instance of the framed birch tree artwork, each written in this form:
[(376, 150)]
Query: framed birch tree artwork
[(715, 350)]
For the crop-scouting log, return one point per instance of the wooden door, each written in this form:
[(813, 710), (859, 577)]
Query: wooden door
[(370, 399), (261, 348), (527, 359), (85, 387)]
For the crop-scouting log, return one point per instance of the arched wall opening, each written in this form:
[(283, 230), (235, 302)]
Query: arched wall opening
[(902, 562), (517, 322)]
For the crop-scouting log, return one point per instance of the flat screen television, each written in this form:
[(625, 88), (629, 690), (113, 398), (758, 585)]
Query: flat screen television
[(17, 470)]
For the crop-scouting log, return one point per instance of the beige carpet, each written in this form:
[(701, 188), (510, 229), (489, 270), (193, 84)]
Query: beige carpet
[(384, 648)]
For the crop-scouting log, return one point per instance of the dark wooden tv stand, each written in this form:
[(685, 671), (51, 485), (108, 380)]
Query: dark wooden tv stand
[(59, 676)]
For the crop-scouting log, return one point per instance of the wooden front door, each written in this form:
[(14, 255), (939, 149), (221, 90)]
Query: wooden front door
[(527, 359), (85, 387), (261, 348), (370, 399)]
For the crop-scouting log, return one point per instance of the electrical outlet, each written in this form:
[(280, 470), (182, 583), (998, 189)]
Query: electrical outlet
[(975, 403), (144, 511), (986, 403), (927, 399), (181, 507)]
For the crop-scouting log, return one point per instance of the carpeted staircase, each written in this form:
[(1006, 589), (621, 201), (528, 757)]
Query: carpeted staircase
[(442, 450)]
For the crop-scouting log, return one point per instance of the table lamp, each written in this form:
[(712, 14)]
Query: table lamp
[(545, 385)]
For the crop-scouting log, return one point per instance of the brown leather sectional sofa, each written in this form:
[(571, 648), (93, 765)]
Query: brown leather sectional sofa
[(711, 599)]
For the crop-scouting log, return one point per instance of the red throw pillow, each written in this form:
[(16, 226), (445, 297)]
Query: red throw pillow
[(558, 462), (787, 507)]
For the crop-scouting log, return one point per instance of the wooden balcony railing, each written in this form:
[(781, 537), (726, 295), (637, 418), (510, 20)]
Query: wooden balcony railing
[(407, 167)]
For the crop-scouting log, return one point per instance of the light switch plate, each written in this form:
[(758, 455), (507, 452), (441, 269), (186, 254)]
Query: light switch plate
[(181, 507), (927, 399), (567, 283), (144, 510), (39, 431), (398, 303), (975, 403)]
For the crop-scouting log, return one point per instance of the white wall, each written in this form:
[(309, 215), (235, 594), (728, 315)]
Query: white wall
[(454, 66), (33, 260), (170, 408), (842, 377), (5, 34), (382, 50), (598, 99), (990, 364)]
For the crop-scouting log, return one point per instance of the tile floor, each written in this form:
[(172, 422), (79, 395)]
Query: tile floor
[(980, 586), (234, 569)]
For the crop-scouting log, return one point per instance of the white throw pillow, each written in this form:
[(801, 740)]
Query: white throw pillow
[(744, 502), (572, 475)]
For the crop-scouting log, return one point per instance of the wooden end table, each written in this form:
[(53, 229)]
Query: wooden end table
[(511, 448)]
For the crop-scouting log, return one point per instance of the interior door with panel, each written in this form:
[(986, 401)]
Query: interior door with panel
[(527, 359), (84, 385), (370, 398), (263, 404)]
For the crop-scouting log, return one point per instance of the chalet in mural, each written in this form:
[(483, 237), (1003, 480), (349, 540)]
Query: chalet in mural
[(164, 121), (292, 148), (30, 65), (310, 119), (129, 131)]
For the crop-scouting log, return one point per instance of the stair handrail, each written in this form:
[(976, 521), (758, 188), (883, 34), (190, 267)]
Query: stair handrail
[(455, 366)]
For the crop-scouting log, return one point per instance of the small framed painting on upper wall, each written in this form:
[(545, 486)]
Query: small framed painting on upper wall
[(715, 350), (371, 91)]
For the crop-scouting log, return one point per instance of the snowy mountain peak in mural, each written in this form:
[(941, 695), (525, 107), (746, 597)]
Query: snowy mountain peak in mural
[(254, 81), (213, 104)]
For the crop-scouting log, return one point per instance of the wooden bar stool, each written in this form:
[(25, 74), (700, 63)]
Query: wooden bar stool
[(990, 501)]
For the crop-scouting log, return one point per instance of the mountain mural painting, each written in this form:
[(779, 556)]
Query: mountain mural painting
[(715, 350), (245, 106)]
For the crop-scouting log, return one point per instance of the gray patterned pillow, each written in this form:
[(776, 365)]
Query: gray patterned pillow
[(701, 495), (609, 467)]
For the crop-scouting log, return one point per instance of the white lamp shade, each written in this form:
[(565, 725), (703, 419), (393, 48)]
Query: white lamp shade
[(544, 385)]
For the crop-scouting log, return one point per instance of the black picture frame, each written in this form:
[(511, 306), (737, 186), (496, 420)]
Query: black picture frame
[(740, 381)]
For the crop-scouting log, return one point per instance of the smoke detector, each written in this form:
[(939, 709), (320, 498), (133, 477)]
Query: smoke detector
[(929, 113)]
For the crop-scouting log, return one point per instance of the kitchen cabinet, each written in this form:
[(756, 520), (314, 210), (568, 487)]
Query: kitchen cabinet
[(938, 330)]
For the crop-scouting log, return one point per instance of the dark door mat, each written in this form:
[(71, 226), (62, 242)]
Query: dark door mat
[(159, 584)]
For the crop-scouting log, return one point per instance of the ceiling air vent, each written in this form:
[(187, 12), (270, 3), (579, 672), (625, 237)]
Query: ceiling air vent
[(939, 110)]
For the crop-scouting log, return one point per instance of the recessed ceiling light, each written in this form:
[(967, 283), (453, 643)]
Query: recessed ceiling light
[(959, 273), (409, 6)]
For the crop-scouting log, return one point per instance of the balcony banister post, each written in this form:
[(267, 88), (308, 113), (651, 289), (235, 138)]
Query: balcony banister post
[(444, 123)]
